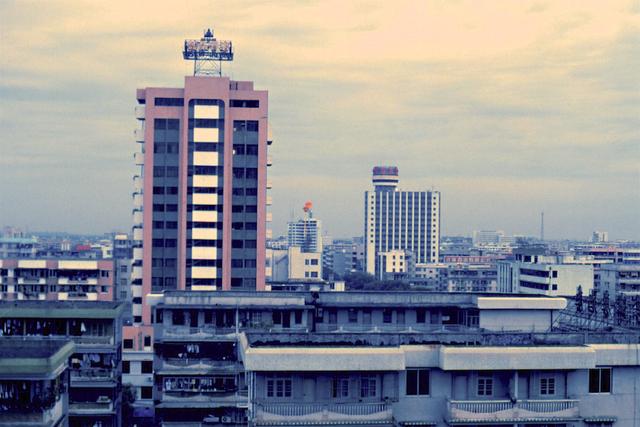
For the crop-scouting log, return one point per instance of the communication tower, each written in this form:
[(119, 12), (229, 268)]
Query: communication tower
[(207, 54)]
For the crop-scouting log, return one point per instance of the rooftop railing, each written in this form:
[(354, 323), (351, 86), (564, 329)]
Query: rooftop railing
[(273, 413), (507, 410)]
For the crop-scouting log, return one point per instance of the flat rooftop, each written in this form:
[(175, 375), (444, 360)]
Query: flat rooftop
[(31, 357), (61, 309), (445, 337)]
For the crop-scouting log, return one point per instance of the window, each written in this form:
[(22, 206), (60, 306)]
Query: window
[(147, 367), (279, 387), (237, 244), (600, 380), (485, 386), (353, 315), (147, 341), (128, 343), (421, 315), (126, 367), (168, 102), (146, 392), (245, 103), (340, 387), (368, 386), (387, 315), (547, 386), (417, 382)]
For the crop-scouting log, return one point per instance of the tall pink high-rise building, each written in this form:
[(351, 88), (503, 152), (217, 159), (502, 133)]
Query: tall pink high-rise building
[(200, 200)]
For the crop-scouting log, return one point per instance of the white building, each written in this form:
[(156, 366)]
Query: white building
[(294, 264), (400, 220), (600, 237), (487, 237), (620, 278), (306, 233), (543, 274)]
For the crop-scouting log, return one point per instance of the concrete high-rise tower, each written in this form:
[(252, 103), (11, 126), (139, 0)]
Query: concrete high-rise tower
[(201, 193), (400, 220)]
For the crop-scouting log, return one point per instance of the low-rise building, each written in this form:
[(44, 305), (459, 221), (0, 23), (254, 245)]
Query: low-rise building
[(56, 279), (535, 272), (620, 279), (95, 327), (34, 382), (379, 358)]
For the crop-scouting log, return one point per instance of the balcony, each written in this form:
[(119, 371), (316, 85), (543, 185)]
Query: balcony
[(269, 161), (32, 281), (28, 417), (139, 135), (77, 281), (269, 201), (137, 216), (102, 406), (139, 111), (269, 184), (506, 411), (138, 183), (178, 399), (186, 333), (287, 413), (138, 158), (199, 365), (92, 375)]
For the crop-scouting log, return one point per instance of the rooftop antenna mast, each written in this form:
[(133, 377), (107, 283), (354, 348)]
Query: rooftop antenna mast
[(542, 226), (207, 54)]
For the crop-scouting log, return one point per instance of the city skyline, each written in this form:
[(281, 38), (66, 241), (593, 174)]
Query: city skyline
[(507, 110)]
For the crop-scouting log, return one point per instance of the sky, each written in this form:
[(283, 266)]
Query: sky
[(508, 108)]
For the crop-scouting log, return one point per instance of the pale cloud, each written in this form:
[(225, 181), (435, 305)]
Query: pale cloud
[(508, 108)]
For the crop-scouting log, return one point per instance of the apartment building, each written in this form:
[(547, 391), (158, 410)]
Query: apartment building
[(535, 272), (399, 220), (620, 279), (94, 328), (375, 358), (56, 279), (34, 380)]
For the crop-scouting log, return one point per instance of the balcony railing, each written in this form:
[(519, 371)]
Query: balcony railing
[(91, 407), (274, 413), (507, 410), (428, 328), (92, 374), (33, 416)]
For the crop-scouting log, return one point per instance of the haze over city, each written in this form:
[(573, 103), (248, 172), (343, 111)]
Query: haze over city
[(507, 108)]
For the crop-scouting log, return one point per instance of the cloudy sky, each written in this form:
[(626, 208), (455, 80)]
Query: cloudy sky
[(508, 108)]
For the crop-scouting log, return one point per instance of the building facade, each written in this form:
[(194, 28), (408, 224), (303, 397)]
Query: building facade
[(95, 330), (305, 233), (400, 220), (57, 279), (376, 358)]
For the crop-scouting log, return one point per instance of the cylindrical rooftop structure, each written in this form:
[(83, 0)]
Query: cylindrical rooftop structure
[(385, 178)]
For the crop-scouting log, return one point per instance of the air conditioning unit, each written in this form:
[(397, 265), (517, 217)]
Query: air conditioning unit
[(226, 419)]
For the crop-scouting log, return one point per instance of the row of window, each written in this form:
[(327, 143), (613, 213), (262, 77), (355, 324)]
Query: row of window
[(418, 384), (240, 244), (247, 263), (244, 226), (245, 191), (245, 150), (249, 173)]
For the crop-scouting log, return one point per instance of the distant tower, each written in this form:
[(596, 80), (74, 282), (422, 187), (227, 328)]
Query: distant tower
[(207, 54), (542, 226), (399, 220)]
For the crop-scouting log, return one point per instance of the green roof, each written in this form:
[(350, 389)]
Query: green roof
[(33, 357), (61, 309)]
